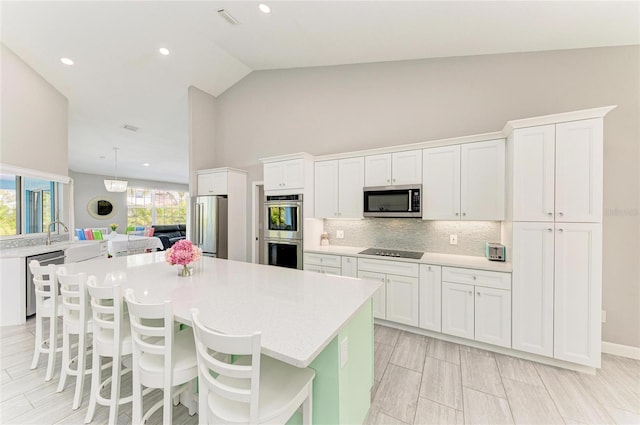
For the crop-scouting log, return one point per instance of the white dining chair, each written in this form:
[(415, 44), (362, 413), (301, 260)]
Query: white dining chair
[(111, 339), (253, 388), (163, 357), (76, 320), (48, 306)]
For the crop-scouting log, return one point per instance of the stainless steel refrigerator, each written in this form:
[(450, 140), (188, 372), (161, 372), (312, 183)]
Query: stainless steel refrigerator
[(209, 229)]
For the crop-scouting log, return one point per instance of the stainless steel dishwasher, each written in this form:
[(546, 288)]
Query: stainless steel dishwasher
[(55, 257)]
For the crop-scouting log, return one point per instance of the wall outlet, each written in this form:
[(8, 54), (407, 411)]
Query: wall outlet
[(344, 352), (339, 234), (604, 316), (453, 239)]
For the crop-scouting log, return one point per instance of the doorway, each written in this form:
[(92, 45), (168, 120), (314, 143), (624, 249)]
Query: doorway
[(257, 222)]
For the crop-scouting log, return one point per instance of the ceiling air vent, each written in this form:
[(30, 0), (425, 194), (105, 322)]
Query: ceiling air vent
[(227, 17), (130, 127)]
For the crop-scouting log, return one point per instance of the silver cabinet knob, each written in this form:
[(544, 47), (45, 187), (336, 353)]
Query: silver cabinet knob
[(549, 214), (429, 267), (394, 180), (478, 293), (464, 213), (457, 214), (560, 214), (474, 278), (560, 230), (549, 230), (470, 292), (388, 181)]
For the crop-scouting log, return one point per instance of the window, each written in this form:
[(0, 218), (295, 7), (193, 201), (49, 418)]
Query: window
[(27, 204), (154, 206)]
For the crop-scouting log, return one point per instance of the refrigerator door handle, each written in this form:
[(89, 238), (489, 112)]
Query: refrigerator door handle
[(200, 230), (196, 233)]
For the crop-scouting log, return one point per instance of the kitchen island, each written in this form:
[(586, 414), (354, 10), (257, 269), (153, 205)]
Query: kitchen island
[(306, 319)]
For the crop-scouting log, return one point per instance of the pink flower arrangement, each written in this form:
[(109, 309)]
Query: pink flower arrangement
[(183, 252)]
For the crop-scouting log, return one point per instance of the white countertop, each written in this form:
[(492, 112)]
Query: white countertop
[(28, 251), (298, 312), (432, 258)]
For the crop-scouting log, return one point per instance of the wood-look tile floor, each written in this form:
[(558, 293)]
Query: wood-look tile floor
[(418, 380)]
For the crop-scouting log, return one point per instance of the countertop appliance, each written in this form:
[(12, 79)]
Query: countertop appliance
[(393, 201), (54, 257), (209, 229), (496, 252), (283, 230), (395, 253)]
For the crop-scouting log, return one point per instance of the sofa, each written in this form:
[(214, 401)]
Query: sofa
[(170, 233)]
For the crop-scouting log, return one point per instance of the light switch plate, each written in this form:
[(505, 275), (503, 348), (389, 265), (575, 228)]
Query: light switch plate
[(453, 239), (339, 234)]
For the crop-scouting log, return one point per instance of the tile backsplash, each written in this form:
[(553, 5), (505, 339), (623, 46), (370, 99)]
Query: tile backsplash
[(19, 242), (415, 234)]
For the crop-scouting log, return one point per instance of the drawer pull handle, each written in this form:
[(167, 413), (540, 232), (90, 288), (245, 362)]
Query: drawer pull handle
[(470, 292), (560, 230), (549, 230), (474, 278), (478, 293), (560, 214)]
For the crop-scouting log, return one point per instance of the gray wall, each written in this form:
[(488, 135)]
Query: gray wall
[(343, 108), (87, 186)]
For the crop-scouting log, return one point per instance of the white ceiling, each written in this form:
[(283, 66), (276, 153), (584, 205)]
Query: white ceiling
[(120, 78)]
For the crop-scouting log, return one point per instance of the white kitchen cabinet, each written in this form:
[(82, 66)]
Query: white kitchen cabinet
[(578, 293), (533, 260), (289, 174), (338, 188), (430, 297), (457, 309), (441, 183), (380, 296), (349, 266), (402, 299), (464, 182), (212, 183), (492, 316), (557, 172), (482, 180), (398, 168), (322, 269)]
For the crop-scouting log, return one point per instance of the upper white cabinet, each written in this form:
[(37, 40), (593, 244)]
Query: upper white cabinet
[(396, 168), (338, 188), (557, 172), (289, 174), (464, 182), (212, 182)]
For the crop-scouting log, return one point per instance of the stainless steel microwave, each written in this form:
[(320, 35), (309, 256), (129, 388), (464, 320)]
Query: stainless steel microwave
[(393, 201)]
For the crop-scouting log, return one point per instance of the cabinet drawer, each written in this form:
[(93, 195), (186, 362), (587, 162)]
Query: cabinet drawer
[(321, 269), (389, 267), (484, 278), (322, 259)]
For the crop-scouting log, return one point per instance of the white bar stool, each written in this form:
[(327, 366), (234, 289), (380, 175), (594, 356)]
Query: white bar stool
[(47, 307), (252, 389), (76, 320), (163, 357)]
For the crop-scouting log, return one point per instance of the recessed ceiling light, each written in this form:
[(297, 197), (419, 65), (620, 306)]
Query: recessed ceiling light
[(264, 8), (164, 51), (146, 164), (66, 61)]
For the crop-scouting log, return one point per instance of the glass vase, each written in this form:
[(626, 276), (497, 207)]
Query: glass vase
[(185, 271)]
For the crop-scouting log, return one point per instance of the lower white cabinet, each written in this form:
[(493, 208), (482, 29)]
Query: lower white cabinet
[(330, 264), (480, 311), (402, 299), (430, 297), (380, 297), (349, 266)]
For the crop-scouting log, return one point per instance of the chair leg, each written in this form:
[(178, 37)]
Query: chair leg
[(53, 347), (115, 391), (96, 379), (307, 407), (66, 347), (203, 405), (167, 408), (81, 369), (136, 411), (38, 343)]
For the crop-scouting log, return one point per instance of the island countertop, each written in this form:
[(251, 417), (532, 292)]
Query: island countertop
[(298, 312)]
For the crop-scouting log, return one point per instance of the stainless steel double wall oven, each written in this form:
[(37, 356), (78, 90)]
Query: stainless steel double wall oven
[(283, 230)]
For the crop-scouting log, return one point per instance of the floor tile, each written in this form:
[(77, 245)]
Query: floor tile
[(481, 373), (397, 395), (476, 350), (377, 417), (431, 413), (441, 383), (14, 407), (530, 404), (381, 355), (481, 408), (386, 335), (518, 369), (444, 350), (410, 351)]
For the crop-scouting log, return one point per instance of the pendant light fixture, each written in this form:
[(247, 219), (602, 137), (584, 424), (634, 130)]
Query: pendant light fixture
[(115, 185)]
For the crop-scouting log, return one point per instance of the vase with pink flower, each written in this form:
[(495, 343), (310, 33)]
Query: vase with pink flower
[(183, 253)]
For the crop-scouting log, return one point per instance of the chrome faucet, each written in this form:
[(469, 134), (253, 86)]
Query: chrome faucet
[(66, 229)]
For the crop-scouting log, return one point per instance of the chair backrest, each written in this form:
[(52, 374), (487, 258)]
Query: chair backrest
[(74, 295), (88, 234), (108, 308), (215, 351), (97, 235), (148, 231), (46, 284), (80, 234), (152, 331)]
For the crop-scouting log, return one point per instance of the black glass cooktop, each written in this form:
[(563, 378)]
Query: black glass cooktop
[(393, 253)]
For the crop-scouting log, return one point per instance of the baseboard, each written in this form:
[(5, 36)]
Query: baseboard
[(621, 350)]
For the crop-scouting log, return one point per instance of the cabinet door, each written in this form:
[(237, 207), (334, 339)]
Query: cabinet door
[(457, 309), (350, 184), (532, 294), (430, 297), (326, 189), (482, 176), (273, 178), (293, 174), (534, 173), (380, 297), (578, 293), (350, 266), (406, 167), (402, 299), (377, 170), (579, 171), (441, 183), (493, 316)]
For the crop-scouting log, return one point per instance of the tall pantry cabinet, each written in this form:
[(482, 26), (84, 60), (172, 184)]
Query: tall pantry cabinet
[(554, 208)]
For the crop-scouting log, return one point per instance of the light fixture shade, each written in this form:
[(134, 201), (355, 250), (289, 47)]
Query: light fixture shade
[(115, 185)]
